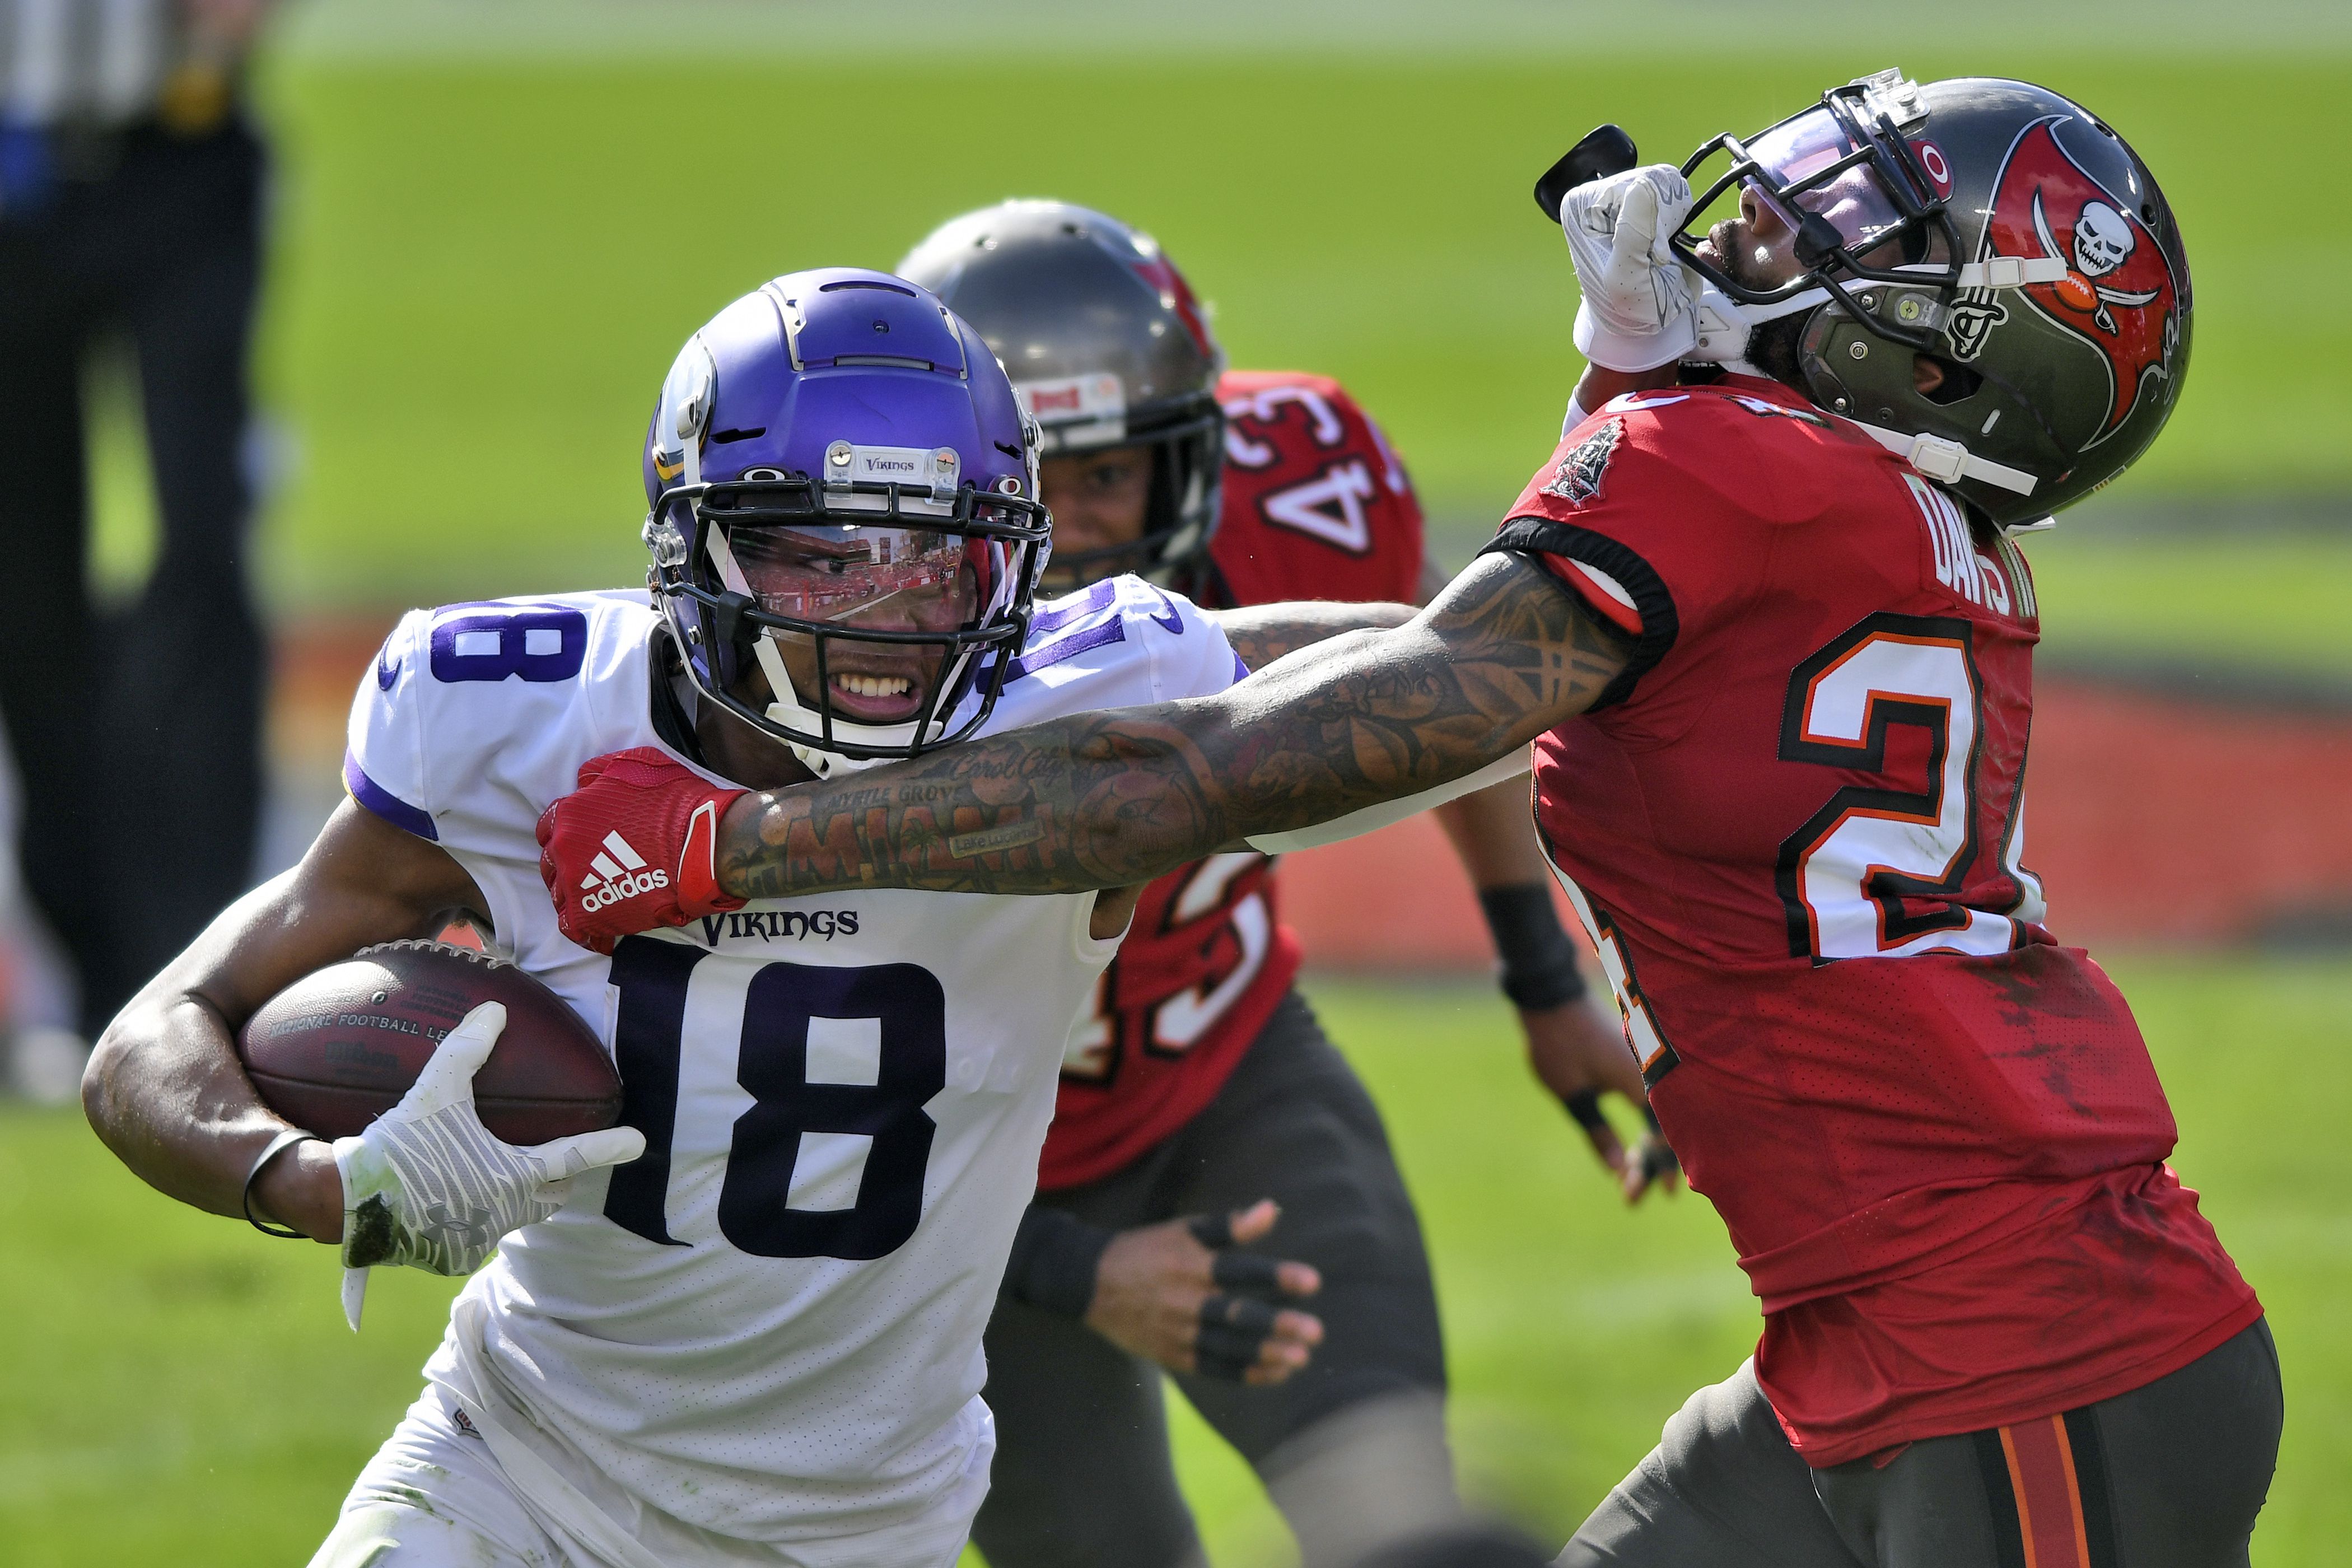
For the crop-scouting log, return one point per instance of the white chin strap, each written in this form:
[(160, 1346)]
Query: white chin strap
[(1725, 327), (788, 709), (1947, 461), (1725, 324)]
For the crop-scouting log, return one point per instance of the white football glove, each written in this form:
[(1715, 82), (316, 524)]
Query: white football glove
[(1638, 311), (427, 1186)]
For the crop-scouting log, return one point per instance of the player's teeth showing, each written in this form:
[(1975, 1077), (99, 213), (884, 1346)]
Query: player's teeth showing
[(874, 684)]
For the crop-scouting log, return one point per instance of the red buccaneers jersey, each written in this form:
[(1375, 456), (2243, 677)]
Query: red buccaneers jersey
[(1795, 832), (1314, 507)]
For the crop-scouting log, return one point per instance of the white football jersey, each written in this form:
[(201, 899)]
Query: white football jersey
[(770, 1325)]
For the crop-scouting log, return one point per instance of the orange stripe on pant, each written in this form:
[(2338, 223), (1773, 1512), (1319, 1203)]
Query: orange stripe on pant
[(2049, 1495)]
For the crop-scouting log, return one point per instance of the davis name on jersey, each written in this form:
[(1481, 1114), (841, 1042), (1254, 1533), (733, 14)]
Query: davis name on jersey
[(1794, 832), (1315, 506), (770, 1325)]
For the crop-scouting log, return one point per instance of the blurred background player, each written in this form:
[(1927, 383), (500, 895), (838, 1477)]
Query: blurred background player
[(1203, 1084), (131, 210)]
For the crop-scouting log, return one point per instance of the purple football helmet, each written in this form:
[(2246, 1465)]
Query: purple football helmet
[(843, 497)]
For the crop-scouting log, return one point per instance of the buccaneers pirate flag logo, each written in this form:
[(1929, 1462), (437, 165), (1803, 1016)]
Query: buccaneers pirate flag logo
[(2118, 294), (1577, 479)]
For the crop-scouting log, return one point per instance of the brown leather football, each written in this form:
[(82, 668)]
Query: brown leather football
[(338, 1048)]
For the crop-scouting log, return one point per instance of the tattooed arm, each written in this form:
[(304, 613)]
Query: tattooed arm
[(1110, 799), (1260, 634)]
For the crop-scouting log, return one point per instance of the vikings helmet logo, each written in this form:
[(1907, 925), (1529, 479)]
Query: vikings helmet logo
[(2119, 294)]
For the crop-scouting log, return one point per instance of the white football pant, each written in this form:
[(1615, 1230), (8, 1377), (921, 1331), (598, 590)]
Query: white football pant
[(435, 1495)]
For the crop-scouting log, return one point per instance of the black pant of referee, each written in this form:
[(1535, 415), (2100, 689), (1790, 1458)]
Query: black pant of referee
[(137, 735)]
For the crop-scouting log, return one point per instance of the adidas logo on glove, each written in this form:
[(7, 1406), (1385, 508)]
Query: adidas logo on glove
[(620, 872)]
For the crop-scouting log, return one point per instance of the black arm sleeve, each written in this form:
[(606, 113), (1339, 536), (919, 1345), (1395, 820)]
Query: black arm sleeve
[(1053, 1263), (1538, 962)]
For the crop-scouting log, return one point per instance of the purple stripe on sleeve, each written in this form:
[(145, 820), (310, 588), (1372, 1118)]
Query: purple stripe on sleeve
[(1094, 601), (1037, 657), (385, 803), (1241, 670)]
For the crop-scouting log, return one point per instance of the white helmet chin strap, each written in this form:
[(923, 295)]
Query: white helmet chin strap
[(1725, 326)]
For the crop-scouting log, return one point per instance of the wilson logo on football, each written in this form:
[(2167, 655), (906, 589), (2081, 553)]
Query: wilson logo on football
[(618, 873)]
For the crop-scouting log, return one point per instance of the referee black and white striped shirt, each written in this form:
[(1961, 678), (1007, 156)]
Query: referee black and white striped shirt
[(93, 63)]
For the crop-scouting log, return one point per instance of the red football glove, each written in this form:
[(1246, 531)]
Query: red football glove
[(634, 848)]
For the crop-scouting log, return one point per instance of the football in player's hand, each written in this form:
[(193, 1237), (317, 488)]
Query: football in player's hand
[(338, 1048)]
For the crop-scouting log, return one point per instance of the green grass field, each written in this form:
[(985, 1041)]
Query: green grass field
[(182, 1391), (484, 269), (2279, 601)]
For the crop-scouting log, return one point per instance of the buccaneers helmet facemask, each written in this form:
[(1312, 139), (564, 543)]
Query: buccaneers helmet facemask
[(1851, 189), (1187, 458), (1918, 225)]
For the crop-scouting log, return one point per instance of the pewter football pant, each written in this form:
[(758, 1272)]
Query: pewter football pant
[(2171, 1475)]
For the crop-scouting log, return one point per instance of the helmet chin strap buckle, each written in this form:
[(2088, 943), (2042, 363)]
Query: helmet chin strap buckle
[(1725, 325), (2011, 272), (1722, 334), (1942, 460), (1726, 328), (1947, 461)]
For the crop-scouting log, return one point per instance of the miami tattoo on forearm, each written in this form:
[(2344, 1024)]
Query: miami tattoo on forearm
[(1111, 799)]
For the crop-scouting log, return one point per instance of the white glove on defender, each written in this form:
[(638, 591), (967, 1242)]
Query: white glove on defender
[(1638, 311), (427, 1186)]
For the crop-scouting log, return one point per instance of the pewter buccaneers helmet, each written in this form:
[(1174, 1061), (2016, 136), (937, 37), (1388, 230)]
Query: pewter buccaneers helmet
[(1106, 346), (836, 461), (1992, 224)]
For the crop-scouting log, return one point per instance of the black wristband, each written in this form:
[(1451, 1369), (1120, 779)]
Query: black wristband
[(1054, 1259), (277, 1146), (1538, 962)]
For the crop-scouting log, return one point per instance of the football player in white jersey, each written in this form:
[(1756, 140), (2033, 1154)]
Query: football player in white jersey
[(745, 1326)]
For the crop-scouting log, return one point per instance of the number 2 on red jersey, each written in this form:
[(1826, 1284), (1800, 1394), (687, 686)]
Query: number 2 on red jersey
[(1879, 871)]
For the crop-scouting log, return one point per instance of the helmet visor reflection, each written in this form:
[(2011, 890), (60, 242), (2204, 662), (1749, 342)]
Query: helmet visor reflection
[(890, 579), (1805, 152)]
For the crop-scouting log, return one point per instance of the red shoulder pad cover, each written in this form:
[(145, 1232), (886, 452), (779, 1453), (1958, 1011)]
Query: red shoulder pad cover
[(1696, 482)]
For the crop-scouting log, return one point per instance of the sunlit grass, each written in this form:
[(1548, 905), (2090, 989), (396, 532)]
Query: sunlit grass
[(183, 1390)]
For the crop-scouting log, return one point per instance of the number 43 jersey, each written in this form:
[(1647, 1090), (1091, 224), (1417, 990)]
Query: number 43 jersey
[(1315, 506), (1795, 832), (770, 1325)]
